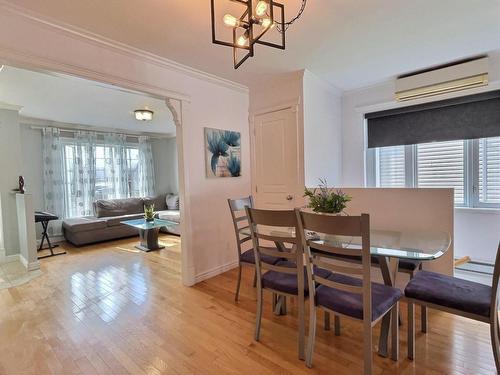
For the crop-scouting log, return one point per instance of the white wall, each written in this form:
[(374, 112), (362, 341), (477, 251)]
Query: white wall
[(165, 160), (322, 131), (476, 232), (10, 170), (212, 102)]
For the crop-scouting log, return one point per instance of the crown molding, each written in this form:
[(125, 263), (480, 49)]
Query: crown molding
[(122, 48), (10, 107)]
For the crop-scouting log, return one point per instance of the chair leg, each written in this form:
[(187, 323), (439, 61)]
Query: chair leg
[(367, 346), (312, 335), (258, 315), (336, 323), (423, 318), (495, 341), (395, 332), (327, 320), (238, 284), (411, 330), (302, 328)]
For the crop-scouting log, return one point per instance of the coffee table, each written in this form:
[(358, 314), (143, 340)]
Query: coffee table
[(148, 231)]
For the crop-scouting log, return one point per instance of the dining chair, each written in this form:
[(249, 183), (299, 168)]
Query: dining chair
[(456, 296), (406, 266), (240, 221), (286, 277), (340, 293)]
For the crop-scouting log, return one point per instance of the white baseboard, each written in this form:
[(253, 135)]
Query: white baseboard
[(8, 258), (30, 266), (215, 271)]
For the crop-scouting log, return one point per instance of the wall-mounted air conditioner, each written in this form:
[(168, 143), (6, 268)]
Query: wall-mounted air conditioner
[(442, 80)]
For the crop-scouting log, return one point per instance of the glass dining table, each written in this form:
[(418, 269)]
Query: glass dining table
[(389, 246)]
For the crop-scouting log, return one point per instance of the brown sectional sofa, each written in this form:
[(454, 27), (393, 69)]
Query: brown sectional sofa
[(106, 224)]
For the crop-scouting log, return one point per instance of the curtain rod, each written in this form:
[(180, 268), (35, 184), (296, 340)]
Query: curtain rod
[(131, 135)]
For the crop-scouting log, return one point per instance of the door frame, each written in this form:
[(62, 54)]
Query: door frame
[(295, 106), (177, 103)]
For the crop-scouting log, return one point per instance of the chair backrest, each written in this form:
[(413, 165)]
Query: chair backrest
[(319, 252), (240, 220), (494, 292), (280, 227)]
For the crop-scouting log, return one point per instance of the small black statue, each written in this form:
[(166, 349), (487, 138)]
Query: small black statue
[(21, 184)]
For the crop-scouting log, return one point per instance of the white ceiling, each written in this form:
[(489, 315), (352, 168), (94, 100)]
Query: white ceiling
[(350, 43), (78, 101)]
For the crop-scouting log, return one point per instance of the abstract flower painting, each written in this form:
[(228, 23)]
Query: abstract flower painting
[(222, 153)]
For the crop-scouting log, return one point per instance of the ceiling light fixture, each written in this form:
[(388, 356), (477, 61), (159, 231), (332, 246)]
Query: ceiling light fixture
[(143, 114), (256, 20), (1, 67)]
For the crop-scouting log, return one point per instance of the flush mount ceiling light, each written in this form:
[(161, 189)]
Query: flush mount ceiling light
[(258, 17), (143, 114)]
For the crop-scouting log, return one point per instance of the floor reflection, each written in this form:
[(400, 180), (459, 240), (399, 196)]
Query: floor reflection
[(107, 291)]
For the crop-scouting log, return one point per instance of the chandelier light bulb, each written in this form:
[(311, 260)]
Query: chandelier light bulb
[(242, 40), (266, 22), (261, 8), (231, 21)]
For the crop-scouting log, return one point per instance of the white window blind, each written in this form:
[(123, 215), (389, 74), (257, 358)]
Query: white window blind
[(442, 164), (391, 166), (489, 170)]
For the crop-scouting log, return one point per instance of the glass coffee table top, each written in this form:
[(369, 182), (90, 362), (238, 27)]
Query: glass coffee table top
[(143, 224)]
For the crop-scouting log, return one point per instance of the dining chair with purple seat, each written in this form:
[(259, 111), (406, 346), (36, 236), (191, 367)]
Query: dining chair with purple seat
[(456, 296), (240, 221), (340, 293), (284, 278)]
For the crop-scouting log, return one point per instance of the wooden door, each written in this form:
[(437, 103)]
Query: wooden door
[(278, 176)]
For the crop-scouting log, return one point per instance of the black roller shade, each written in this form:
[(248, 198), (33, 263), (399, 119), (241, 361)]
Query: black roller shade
[(467, 117)]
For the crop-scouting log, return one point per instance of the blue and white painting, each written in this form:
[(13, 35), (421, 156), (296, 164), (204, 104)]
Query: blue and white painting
[(222, 153)]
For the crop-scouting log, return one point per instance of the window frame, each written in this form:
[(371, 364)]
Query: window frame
[(68, 141), (471, 173)]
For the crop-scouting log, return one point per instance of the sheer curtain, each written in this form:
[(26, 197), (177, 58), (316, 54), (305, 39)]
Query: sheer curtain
[(83, 167), (82, 186), (53, 172), (146, 171), (112, 179)]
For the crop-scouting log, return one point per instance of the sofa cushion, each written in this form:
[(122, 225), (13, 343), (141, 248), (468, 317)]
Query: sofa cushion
[(172, 201), (82, 224), (117, 220), (450, 292), (118, 207), (158, 201), (172, 215)]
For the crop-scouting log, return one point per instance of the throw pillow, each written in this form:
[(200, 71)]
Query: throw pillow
[(172, 201)]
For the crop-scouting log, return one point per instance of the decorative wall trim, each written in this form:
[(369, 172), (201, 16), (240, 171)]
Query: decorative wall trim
[(110, 44), (215, 271)]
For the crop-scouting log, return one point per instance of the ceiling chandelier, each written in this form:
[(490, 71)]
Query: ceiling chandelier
[(258, 17)]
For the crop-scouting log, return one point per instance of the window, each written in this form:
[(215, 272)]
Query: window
[(442, 164), (470, 167), (489, 171), (106, 179)]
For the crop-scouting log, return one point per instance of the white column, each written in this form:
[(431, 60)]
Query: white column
[(27, 236)]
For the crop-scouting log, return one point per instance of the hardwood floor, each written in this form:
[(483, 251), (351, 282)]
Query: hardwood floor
[(107, 309)]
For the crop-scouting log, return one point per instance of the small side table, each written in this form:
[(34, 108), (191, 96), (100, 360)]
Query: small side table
[(148, 231), (44, 218)]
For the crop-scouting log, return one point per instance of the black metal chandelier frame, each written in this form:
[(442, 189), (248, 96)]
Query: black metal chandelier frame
[(248, 21)]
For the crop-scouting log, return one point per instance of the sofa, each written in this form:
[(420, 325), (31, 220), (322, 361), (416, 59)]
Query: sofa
[(108, 214)]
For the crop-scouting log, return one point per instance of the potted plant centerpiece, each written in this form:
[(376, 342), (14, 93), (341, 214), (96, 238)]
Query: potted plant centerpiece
[(324, 200), (149, 212)]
